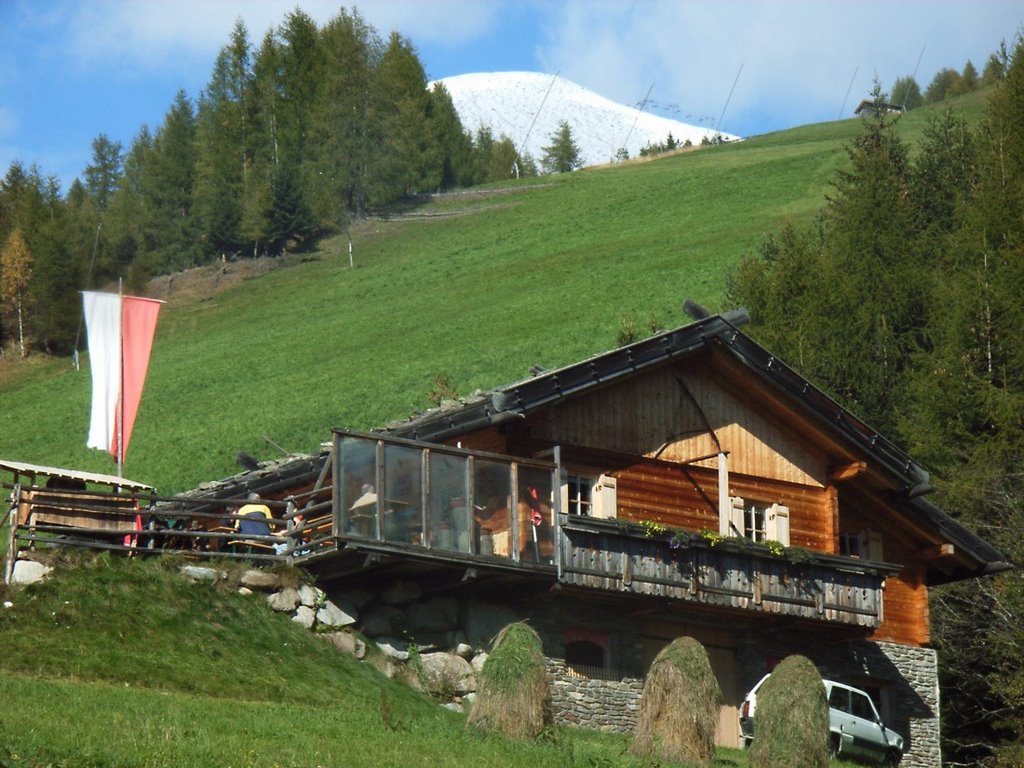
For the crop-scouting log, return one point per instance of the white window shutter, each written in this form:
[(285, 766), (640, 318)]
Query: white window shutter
[(731, 523), (777, 525), (605, 497)]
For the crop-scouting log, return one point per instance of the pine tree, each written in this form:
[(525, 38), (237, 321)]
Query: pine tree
[(15, 276), (103, 173), (223, 127), (168, 188), (907, 93), (404, 158), (338, 123), (453, 142), (943, 86), (562, 155)]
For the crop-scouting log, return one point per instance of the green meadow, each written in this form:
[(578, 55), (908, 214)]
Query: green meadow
[(473, 289)]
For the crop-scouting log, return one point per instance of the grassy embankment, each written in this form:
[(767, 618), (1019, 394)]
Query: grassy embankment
[(126, 663)]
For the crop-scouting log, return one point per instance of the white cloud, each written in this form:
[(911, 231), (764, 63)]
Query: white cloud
[(797, 56), (157, 35), (450, 22)]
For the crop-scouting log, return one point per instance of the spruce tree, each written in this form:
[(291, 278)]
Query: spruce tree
[(562, 155), (223, 127), (103, 173)]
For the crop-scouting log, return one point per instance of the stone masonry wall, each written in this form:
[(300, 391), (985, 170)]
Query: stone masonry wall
[(600, 705)]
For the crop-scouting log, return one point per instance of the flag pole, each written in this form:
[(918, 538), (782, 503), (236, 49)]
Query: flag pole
[(120, 376)]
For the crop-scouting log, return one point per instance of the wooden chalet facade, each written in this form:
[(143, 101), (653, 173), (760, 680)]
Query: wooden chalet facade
[(690, 483)]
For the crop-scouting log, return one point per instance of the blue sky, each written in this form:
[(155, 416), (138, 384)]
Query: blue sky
[(73, 69)]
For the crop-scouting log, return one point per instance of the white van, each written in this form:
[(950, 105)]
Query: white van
[(856, 729)]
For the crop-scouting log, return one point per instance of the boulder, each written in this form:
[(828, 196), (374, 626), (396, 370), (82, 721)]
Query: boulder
[(331, 615), (383, 620), (261, 580), (478, 662), (346, 642), (29, 572), (401, 592), (357, 598), (305, 616), (439, 614), (200, 573), (446, 674), (285, 600), (394, 648), (311, 596)]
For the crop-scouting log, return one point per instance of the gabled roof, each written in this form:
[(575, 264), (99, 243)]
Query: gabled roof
[(721, 333), (18, 468)]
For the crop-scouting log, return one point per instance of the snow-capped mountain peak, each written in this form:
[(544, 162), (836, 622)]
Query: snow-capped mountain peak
[(528, 107)]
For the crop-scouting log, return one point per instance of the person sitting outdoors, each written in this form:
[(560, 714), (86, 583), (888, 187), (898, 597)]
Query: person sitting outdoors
[(253, 517)]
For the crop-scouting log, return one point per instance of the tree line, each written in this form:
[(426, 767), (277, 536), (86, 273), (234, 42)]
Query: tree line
[(905, 300), (948, 83), (290, 140)]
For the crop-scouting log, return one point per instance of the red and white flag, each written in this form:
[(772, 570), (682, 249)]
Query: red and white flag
[(121, 332)]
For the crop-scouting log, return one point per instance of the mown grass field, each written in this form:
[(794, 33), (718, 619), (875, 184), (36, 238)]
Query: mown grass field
[(544, 271)]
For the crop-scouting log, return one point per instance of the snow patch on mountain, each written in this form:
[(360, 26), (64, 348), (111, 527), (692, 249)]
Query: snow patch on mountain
[(528, 107)]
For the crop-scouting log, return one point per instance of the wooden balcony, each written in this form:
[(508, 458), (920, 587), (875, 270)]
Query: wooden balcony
[(726, 573)]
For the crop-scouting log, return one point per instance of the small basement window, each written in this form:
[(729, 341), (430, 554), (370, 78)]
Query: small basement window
[(586, 653)]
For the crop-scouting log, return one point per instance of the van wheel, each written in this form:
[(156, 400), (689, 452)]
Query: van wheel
[(891, 760)]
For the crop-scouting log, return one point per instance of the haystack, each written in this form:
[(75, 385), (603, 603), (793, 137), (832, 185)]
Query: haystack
[(791, 720), (513, 698), (679, 706)]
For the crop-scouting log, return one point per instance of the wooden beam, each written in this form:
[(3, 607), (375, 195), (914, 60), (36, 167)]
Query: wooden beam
[(848, 471), (942, 550)]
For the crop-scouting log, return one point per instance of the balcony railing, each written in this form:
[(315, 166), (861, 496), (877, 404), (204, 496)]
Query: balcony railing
[(725, 573)]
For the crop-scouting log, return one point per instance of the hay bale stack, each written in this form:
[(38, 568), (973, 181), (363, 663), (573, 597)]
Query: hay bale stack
[(791, 720), (679, 706), (513, 697)]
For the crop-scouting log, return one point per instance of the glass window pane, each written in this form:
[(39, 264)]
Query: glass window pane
[(449, 521), (839, 699), (358, 492), (492, 489), (862, 706), (403, 483), (536, 521)]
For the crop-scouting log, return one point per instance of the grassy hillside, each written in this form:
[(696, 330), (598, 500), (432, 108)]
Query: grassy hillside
[(475, 288), (118, 662)]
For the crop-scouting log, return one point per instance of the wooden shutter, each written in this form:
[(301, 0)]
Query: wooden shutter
[(777, 524)]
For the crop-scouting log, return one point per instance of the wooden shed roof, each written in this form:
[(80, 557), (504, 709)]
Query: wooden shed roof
[(18, 468)]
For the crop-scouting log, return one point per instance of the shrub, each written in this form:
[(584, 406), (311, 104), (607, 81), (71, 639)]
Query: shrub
[(679, 706), (512, 691), (791, 721)]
